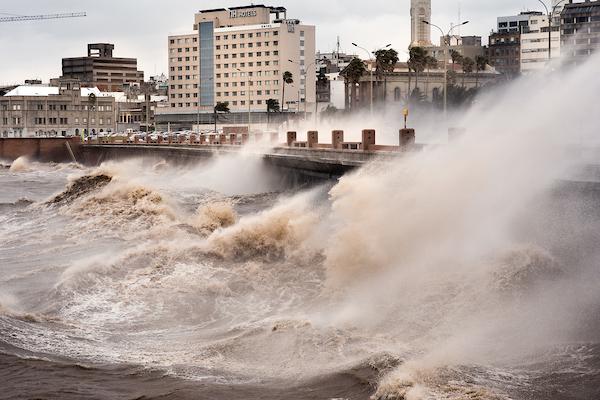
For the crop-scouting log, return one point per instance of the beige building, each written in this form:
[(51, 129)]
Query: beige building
[(238, 55), (48, 111), (534, 44)]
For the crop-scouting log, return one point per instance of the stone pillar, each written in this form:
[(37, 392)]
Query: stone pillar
[(368, 139), (274, 137), (407, 139), (202, 139), (291, 138), (160, 139), (232, 138), (245, 137), (212, 139), (192, 138), (312, 139), (258, 136), (222, 138), (337, 138)]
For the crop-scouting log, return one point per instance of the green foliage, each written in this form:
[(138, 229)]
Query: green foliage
[(385, 61), (222, 107), (272, 105), (355, 70), (468, 65)]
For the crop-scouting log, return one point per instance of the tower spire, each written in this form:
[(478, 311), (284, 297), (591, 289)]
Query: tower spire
[(420, 10)]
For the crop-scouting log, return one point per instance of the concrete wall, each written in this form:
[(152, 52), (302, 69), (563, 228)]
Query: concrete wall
[(40, 149)]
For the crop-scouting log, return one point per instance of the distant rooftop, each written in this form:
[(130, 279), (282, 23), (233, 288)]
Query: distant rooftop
[(45, 91)]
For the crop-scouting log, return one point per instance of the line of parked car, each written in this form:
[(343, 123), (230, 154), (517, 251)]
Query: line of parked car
[(153, 137)]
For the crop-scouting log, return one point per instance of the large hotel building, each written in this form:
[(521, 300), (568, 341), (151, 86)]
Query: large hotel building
[(239, 55)]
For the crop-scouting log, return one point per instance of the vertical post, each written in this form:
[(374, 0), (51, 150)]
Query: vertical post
[(368, 139), (337, 138), (291, 138), (312, 139), (407, 139)]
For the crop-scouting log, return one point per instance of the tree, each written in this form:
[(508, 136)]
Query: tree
[(467, 66), (272, 106), (220, 108), (92, 100), (480, 65), (288, 79), (385, 63), (456, 57), (352, 74), (417, 61)]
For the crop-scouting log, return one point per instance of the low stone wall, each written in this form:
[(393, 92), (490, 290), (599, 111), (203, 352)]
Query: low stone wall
[(40, 149)]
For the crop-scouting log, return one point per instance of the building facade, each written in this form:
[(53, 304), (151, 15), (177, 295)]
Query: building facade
[(504, 53), (467, 46), (100, 69), (239, 55), (420, 33), (580, 30), (46, 111), (534, 44)]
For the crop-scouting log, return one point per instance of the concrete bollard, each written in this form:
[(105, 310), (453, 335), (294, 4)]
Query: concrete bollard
[(368, 139), (222, 138), (407, 139), (202, 139), (291, 138), (212, 139), (312, 138), (232, 138), (245, 138), (337, 138), (274, 137)]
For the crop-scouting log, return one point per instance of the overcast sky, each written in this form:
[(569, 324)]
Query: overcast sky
[(139, 28)]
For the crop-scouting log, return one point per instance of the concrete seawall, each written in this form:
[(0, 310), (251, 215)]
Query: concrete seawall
[(40, 149), (318, 163)]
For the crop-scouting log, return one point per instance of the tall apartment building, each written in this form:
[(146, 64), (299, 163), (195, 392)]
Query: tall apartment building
[(580, 30), (534, 44), (100, 69), (238, 55), (48, 111), (504, 53)]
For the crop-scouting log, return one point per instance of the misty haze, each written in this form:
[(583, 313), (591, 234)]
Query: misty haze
[(275, 202)]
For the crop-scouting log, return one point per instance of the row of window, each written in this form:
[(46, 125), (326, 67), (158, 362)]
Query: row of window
[(233, 103), (53, 121), (184, 40), (183, 49), (244, 45), (249, 55), (252, 93), (56, 107), (249, 35)]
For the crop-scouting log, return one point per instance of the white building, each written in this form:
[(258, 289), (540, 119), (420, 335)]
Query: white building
[(534, 45), (420, 33), (239, 55)]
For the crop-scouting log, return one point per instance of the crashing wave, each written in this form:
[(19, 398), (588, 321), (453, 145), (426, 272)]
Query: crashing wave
[(21, 164), (80, 187)]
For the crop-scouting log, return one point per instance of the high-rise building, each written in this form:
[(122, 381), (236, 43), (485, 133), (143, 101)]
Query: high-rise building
[(239, 55), (534, 44), (580, 30), (100, 69), (420, 10)]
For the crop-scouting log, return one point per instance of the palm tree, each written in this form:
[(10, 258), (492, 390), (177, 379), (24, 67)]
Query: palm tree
[(288, 79), (417, 62), (352, 74), (480, 65), (272, 106), (456, 57), (467, 66), (385, 63), (220, 107), (92, 100)]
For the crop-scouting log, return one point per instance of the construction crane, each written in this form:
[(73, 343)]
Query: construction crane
[(19, 18)]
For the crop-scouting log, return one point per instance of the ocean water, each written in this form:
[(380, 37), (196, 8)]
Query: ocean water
[(141, 279)]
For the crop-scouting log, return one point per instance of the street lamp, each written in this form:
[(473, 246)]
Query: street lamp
[(550, 17), (370, 58), (446, 51), (248, 90), (305, 72)]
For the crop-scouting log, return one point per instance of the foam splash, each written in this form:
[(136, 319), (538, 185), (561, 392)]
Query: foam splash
[(21, 164)]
